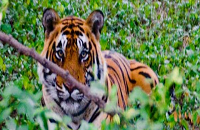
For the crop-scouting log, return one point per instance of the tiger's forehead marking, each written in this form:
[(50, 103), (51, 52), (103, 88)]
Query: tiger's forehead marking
[(82, 43), (73, 30), (73, 19), (61, 42), (71, 22), (72, 35)]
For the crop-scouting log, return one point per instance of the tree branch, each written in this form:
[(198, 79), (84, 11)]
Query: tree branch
[(53, 67)]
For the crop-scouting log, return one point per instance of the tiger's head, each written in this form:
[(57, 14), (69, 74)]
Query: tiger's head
[(73, 44)]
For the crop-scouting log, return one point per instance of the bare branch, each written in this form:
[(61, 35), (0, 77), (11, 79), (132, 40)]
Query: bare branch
[(53, 67)]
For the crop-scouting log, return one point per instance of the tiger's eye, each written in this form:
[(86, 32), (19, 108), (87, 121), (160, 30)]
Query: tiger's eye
[(83, 54), (60, 53)]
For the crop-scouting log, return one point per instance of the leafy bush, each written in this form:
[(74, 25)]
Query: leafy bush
[(163, 35)]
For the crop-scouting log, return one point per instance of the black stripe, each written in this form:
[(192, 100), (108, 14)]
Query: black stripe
[(90, 45), (139, 67), (118, 83), (52, 120), (146, 75), (76, 114), (81, 29), (69, 126), (84, 45), (58, 103), (71, 18), (125, 82), (65, 22), (151, 85), (107, 56), (116, 62), (155, 82), (71, 26), (78, 33), (106, 117), (110, 77), (105, 98), (97, 59), (52, 52), (59, 45), (131, 80), (93, 58), (80, 42), (42, 101), (47, 54), (66, 32), (72, 31), (79, 126), (83, 110), (94, 116), (64, 28), (79, 23), (51, 42)]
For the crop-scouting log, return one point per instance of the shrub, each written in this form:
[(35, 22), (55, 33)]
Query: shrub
[(164, 35)]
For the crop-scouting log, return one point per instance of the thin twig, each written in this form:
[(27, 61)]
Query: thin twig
[(53, 67)]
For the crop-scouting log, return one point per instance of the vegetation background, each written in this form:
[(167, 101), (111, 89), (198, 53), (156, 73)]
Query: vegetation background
[(162, 34)]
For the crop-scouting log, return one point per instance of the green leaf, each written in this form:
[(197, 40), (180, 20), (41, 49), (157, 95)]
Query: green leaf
[(6, 28), (97, 88), (22, 127), (10, 124), (1, 61), (28, 2), (66, 120), (1, 15), (141, 125), (87, 126), (185, 124), (130, 113), (138, 94), (4, 114), (116, 119), (2, 65), (157, 126), (12, 90), (53, 116), (198, 87), (112, 100)]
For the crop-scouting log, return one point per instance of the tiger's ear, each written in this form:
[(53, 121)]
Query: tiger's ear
[(95, 21), (49, 20)]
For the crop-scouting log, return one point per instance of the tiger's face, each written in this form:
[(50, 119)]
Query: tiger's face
[(73, 44)]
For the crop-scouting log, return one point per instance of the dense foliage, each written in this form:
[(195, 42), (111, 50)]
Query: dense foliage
[(162, 34)]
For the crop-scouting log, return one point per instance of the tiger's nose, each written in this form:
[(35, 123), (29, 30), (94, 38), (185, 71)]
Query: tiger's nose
[(69, 87)]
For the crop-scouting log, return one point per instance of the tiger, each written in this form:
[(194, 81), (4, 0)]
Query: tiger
[(73, 44)]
